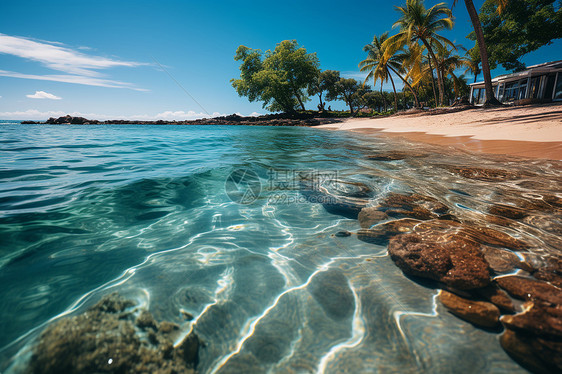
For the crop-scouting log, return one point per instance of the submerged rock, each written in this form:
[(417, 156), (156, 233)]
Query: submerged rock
[(530, 289), (331, 290), (500, 221), (489, 236), (496, 296), (369, 216), (395, 155), (480, 313), (107, 338), (534, 336), (547, 263), (413, 206), (145, 320), (485, 174), (456, 262), (539, 318), (342, 234), (501, 260), (508, 211), (336, 199), (552, 277), (537, 354), (352, 189), (342, 207), (531, 200), (380, 234), (549, 223)]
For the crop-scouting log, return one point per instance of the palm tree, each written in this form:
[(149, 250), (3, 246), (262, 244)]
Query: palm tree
[(418, 24), (460, 84), (449, 62), (381, 67), (411, 60), (414, 64), (397, 67), (490, 97), (374, 63)]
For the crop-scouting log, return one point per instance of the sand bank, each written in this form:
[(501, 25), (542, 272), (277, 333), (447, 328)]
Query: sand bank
[(530, 131)]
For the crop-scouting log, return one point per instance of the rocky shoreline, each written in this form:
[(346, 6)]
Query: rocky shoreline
[(296, 119)]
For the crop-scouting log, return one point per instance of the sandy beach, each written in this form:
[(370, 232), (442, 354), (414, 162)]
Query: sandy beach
[(529, 131)]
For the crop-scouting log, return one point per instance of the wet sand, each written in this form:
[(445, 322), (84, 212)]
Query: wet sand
[(546, 150), (530, 131)]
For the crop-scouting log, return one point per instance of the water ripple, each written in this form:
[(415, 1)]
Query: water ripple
[(87, 210)]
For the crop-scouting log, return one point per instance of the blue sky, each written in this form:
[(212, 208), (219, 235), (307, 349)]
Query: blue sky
[(110, 50)]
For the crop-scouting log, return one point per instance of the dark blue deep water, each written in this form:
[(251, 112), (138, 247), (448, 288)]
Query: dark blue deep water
[(145, 211)]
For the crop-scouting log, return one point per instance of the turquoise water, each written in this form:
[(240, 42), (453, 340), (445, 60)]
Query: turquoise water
[(143, 210)]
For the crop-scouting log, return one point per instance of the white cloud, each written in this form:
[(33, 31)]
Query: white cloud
[(77, 79), (78, 67), (360, 76), (43, 95), (58, 58), (33, 114), (179, 115)]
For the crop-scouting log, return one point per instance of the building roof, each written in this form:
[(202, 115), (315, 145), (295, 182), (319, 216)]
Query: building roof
[(545, 67)]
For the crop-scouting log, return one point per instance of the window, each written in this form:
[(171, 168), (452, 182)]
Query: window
[(549, 86), (500, 92), (481, 96), (515, 90), (476, 92), (535, 83), (522, 89), (558, 88), (509, 91)]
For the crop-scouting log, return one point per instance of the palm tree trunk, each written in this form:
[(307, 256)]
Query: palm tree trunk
[(407, 85), (439, 78), (490, 98), (455, 85), (395, 96), (432, 81), (383, 98)]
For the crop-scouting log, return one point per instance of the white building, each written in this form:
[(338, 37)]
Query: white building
[(542, 83)]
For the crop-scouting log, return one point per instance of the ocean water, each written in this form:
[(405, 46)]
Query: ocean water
[(148, 212)]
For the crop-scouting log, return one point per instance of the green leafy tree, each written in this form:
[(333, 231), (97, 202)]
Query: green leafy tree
[(358, 97), (373, 100), (323, 83), (418, 24), (522, 26), (344, 90), (279, 78)]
